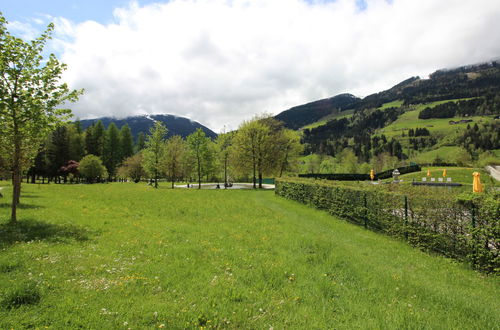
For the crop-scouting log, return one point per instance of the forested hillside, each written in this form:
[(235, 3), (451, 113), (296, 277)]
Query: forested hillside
[(176, 125), (453, 108)]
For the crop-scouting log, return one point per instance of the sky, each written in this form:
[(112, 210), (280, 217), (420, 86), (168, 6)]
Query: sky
[(220, 62)]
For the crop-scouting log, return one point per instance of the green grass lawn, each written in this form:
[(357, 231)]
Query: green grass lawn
[(128, 256), (410, 119)]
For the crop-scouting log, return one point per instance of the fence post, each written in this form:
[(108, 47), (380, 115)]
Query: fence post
[(366, 210), (406, 217), (474, 236)]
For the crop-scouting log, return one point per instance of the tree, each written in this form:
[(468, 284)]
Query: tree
[(262, 147), (76, 142), (223, 143), (141, 142), (58, 151), (112, 147), (155, 150), (249, 146), (175, 149), (289, 148), (92, 169), (199, 149), (132, 168), (126, 142), (30, 93)]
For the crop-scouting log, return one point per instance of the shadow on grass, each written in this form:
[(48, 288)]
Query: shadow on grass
[(22, 206), (34, 230)]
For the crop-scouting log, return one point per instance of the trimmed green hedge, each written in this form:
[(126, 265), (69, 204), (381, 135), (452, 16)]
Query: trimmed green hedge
[(468, 229), (361, 177)]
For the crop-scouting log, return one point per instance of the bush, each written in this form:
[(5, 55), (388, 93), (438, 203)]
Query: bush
[(468, 229), (92, 169)]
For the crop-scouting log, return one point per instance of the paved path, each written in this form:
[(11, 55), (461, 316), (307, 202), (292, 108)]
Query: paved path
[(494, 171)]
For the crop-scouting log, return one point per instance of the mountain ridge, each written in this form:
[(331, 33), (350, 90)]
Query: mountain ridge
[(176, 125)]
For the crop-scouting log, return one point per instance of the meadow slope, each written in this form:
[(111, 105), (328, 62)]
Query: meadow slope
[(128, 256)]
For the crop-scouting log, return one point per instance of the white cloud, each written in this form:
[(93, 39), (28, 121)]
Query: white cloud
[(221, 61)]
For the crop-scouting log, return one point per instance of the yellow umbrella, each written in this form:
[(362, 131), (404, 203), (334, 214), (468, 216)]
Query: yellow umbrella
[(428, 172), (444, 173), (372, 174), (476, 184)]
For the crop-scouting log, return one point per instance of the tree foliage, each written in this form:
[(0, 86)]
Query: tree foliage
[(30, 93), (92, 169), (154, 151)]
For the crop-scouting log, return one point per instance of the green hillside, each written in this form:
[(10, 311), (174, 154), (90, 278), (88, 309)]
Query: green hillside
[(415, 119)]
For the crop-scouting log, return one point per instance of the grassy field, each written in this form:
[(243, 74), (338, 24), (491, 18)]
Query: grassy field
[(128, 256), (410, 119), (461, 175)]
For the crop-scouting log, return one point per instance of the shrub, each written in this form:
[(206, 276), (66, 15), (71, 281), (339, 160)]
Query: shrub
[(92, 169)]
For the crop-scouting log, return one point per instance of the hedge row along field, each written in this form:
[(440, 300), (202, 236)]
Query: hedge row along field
[(466, 228), (361, 177)]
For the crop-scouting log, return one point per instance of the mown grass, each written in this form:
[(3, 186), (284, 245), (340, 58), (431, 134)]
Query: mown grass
[(461, 175), (129, 256)]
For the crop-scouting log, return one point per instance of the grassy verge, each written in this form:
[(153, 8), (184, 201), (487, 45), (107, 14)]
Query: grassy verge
[(129, 256)]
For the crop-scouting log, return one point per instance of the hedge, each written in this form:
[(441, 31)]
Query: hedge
[(361, 177), (466, 229)]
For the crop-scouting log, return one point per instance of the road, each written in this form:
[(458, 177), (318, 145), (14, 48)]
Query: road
[(494, 171)]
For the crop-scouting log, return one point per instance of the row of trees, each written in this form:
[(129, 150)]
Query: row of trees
[(70, 143), (260, 147)]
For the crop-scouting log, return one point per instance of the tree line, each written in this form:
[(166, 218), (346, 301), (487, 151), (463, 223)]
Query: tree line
[(260, 147)]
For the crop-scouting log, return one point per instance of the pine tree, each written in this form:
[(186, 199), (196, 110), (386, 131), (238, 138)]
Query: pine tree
[(126, 143)]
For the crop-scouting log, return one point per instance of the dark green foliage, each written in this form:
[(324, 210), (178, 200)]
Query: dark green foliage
[(360, 177), (463, 230), (445, 110), (309, 113), (112, 150), (126, 142), (484, 137), (337, 176), (21, 294), (58, 150), (141, 142), (332, 137)]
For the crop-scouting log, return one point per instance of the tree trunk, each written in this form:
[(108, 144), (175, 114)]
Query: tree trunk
[(225, 173), (156, 179), (260, 180), (199, 173), (16, 182)]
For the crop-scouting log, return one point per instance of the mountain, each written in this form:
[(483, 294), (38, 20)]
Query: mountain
[(455, 111), (309, 113), (470, 81), (175, 125)]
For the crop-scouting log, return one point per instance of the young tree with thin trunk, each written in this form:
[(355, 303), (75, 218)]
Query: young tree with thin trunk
[(154, 152), (175, 149), (223, 143), (250, 148), (198, 145), (30, 92)]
